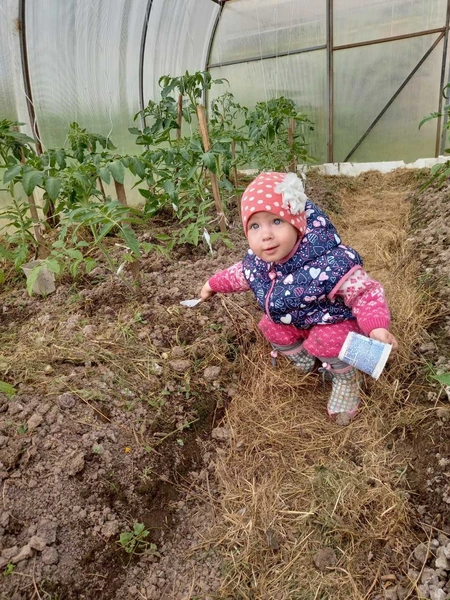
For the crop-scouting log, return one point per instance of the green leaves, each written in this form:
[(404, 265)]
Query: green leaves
[(105, 174), (209, 160), (14, 143), (172, 171), (268, 135), (12, 173), (7, 389), (169, 187), (60, 156), (30, 180), (433, 115), (137, 167), (102, 218), (32, 278), (52, 187), (54, 265), (444, 379), (134, 542), (440, 172), (131, 240), (117, 171)]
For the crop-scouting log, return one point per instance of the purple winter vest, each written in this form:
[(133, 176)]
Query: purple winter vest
[(296, 292)]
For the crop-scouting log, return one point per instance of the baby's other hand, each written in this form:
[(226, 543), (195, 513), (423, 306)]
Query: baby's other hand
[(383, 335), (206, 292)]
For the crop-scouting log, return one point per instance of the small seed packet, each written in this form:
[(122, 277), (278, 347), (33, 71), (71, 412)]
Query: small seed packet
[(191, 303), (365, 354)]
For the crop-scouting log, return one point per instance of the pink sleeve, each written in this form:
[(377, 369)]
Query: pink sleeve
[(229, 280), (365, 297)]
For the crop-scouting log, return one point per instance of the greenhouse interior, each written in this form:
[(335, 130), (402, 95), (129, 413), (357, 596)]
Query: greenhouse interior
[(164, 435)]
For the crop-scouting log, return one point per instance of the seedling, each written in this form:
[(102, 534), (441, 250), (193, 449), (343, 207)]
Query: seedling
[(134, 542), (7, 389), (9, 569), (444, 378), (146, 473), (138, 318)]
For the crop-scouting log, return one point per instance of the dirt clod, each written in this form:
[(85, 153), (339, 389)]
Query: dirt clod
[(212, 373), (325, 559), (180, 366)]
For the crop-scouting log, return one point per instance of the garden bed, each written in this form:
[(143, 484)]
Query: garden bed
[(132, 409)]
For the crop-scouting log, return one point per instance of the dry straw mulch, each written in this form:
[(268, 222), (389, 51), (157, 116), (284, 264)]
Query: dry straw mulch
[(294, 483)]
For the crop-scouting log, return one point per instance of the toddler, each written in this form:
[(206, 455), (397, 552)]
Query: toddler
[(313, 289)]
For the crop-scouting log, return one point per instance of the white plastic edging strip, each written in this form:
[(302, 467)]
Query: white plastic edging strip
[(355, 169)]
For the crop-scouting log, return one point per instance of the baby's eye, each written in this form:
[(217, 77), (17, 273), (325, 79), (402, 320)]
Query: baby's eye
[(277, 221), (254, 226)]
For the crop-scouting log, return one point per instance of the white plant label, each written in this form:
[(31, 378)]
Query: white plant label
[(190, 303)]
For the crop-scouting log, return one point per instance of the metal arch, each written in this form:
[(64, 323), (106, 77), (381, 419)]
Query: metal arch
[(221, 4), (141, 59), (330, 69), (266, 56), (26, 76), (443, 132), (402, 86), (441, 85)]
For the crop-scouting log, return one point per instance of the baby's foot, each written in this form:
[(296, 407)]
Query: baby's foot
[(344, 418)]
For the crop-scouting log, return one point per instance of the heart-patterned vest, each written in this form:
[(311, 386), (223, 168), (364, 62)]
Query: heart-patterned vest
[(296, 291)]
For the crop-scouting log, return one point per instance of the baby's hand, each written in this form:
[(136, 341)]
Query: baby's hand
[(383, 335), (206, 292)]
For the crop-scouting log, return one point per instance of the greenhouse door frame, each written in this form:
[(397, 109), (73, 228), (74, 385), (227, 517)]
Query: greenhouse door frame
[(443, 34)]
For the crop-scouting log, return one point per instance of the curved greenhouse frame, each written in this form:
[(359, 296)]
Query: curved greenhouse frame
[(195, 401)]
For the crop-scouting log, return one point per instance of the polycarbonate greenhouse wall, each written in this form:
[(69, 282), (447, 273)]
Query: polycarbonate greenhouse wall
[(365, 71)]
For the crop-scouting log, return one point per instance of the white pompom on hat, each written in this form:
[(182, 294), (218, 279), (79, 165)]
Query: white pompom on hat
[(281, 194)]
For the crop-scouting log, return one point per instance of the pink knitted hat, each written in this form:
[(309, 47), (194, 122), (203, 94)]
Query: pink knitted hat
[(281, 194)]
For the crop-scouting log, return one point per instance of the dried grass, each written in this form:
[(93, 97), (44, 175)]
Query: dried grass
[(292, 482), (50, 359)]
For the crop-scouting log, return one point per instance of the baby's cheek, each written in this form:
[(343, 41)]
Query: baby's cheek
[(254, 246)]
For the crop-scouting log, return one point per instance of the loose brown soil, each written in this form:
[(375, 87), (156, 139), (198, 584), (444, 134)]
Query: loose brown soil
[(133, 409)]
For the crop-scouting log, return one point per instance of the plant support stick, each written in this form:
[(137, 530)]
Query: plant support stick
[(291, 130), (42, 248), (235, 173), (179, 115), (122, 198), (215, 186), (120, 191)]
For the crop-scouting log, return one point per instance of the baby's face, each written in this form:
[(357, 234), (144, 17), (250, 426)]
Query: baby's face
[(270, 237)]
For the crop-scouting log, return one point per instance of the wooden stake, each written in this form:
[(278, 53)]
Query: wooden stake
[(102, 188), (122, 198), (135, 269), (120, 191), (235, 173), (42, 248), (214, 183), (291, 130), (233, 156), (179, 115)]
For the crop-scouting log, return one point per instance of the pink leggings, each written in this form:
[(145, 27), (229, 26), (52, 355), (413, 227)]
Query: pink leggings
[(320, 340)]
